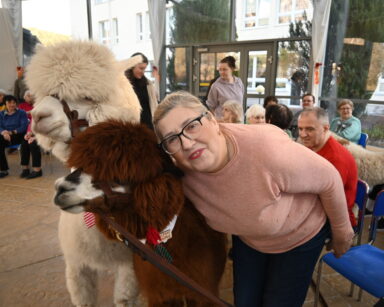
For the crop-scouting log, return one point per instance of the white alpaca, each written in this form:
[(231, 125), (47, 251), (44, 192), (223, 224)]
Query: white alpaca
[(370, 164), (87, 76)]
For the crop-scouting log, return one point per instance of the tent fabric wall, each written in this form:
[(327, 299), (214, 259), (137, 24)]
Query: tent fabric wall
[(8, 54)]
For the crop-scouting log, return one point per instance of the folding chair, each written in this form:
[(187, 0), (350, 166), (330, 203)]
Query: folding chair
[(363, 139), (363, 265)]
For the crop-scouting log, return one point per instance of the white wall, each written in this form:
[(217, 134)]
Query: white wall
[(125, 12)]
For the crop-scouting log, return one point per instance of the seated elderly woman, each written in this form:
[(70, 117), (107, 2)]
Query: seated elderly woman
[(255, 114), (279, 115), (232, 112), (346, 126), (13, 125)]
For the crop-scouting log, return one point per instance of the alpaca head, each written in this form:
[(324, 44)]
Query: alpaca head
[(88, 78), (124, 157)]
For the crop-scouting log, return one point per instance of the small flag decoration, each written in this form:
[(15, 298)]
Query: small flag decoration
[(89, 219)]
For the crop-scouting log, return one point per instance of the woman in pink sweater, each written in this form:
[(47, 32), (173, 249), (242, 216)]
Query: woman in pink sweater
[(279, 200)]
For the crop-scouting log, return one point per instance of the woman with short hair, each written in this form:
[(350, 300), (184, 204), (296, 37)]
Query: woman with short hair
[(232, 112), (346, 125), (255, 114), (279, 200)]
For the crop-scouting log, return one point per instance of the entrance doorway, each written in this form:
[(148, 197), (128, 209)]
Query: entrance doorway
[(265, 68)]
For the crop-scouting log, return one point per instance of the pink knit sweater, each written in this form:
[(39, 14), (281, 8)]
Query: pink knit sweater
[(274, 193)]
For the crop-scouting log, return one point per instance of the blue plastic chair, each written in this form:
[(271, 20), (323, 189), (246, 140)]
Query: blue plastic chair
[(363, 139), (363, 265), (361, 201)]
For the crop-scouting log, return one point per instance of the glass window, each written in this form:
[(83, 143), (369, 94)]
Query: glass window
[(354, 66), (294, 10), (142, 26), (209, 62), (177, 73), (108, 34), (257, 13), (268, 19), (199, 21), (257, 67), (292, 70), (101, 1)]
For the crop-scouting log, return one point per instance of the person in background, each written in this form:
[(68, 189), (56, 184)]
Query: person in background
[(255, 114), (226, 87), (144, 90), (314, 134), (269, 100), (29, 146), (346, 126), (232, 112), (280, 202), (13, 125), (27, 105), (279, 115), (2, 103), (20, 87), (307, 101)]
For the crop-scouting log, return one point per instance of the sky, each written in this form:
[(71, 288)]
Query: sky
[(49, 15)]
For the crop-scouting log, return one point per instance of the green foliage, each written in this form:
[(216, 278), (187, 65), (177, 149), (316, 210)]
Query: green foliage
[(376, 132), (200, 21), (366, 20)]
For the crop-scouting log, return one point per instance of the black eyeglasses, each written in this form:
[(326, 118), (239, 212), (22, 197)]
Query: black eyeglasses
[(191, 131)]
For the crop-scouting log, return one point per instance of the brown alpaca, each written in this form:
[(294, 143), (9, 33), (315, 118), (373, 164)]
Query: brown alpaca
[(127, 155)]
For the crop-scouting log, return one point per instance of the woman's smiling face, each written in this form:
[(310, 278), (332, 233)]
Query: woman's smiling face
[(205, 153)]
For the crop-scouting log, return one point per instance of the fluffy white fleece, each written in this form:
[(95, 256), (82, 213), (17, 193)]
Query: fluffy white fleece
[(87, 76), (370, 164)]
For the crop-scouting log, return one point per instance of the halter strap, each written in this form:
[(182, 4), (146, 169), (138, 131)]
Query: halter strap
[(75, 124)]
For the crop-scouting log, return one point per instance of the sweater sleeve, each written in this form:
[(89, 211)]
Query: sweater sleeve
[(212, 100), (296, 169), (23, 122)]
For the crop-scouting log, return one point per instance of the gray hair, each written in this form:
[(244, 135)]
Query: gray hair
[(320, 114), (236, 108), (254, 111), (3, 92), (181, 99)]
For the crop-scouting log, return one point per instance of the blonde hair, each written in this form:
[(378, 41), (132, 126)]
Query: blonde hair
[(344, 102), (236, 109), (254, 111), (177, 99)]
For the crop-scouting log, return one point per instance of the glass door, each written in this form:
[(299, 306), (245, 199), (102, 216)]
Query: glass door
[(254, 68), (206, 61), (258, 61)]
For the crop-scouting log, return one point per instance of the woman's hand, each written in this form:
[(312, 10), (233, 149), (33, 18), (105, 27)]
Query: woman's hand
[(339, 246), (6, 135)]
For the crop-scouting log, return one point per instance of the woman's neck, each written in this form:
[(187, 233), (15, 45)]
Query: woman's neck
[(230, 79)]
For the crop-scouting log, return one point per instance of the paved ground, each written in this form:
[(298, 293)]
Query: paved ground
[(31, 262)]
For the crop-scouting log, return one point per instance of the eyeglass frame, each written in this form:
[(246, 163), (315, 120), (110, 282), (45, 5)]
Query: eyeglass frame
[(178, 135)]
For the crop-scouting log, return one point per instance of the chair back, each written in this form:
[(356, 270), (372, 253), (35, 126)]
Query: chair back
[(363, 139), (378, 212), (361, 200)]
